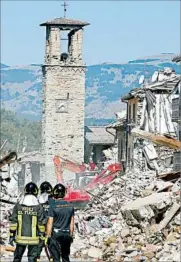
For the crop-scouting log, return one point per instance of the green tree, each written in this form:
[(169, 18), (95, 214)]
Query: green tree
[(12, 126)]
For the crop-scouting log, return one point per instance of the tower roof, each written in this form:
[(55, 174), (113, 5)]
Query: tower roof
[(65, 22)]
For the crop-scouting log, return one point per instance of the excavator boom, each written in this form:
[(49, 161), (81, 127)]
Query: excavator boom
[(58, 169), (61, 163), (77, 194)]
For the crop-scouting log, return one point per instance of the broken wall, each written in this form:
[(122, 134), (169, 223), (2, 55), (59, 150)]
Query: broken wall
[(121, 138), (35, 172), (131, 123), (154, 115), (157, 114)]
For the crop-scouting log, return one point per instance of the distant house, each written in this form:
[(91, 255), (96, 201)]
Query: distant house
[(97, 139), (149, 109)]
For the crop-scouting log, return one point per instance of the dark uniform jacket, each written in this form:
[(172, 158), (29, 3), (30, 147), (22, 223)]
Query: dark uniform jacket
[(62, 212), (44, 201), (27, 223)]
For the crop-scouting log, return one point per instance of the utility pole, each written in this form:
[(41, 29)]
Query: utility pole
[(65, 8)]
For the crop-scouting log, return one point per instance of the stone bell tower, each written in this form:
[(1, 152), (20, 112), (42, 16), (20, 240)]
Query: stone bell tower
[(63, 94)]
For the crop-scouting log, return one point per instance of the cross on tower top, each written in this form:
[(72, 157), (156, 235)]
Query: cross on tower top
[(65, 8)]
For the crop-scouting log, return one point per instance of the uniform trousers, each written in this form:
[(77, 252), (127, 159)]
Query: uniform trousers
[(32, 253), (59, 247), (40, 248)]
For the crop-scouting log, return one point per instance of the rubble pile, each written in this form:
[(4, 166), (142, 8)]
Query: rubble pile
[(9, 196), (134, 218)]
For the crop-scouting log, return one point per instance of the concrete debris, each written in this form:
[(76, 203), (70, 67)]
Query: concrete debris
[(169, 216), (111, 155), (95, 252), (136, 219), (9, 196), (157, 139)]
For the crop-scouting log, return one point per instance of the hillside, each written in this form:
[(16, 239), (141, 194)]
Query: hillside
[(105, 83), (14, 129)]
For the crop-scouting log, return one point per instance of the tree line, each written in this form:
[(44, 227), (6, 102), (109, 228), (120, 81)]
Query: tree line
[(20, 133)]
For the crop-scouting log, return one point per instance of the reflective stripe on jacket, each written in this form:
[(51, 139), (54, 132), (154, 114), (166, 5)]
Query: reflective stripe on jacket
[(27, 223)]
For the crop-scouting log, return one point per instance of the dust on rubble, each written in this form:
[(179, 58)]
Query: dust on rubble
[(134, 218)]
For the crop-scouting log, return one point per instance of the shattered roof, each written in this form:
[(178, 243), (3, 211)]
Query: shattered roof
[(121, 118), (177, 58), (98, 135), (65, 22), (117, 123), (165, 85)]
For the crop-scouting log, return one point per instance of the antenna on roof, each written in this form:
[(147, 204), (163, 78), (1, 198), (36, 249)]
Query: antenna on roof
[(65, 8)]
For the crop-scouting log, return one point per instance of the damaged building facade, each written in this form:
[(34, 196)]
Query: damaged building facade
[(176, 117), (148, 114), (30, 166), (120, 135), (24, 169), (136, 217)]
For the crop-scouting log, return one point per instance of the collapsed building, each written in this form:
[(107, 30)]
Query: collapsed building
[(149, 115), (137, 216), (30, 164), (120, 135), (176, 116)]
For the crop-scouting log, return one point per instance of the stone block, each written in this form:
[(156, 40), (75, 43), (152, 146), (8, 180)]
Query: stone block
[(95, 252)]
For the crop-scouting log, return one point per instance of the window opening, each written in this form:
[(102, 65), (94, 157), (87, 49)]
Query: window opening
[(64, 42)]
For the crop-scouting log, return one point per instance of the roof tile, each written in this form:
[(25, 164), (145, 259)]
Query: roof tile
[(65, 22)]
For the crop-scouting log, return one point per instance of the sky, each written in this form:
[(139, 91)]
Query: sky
[(120, 30)]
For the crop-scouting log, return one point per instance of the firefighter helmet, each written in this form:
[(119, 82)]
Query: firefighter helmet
[(46, 187), (59, 191), (31, 189)]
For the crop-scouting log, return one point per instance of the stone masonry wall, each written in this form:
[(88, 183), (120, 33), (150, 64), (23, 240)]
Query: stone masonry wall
[(63, 101), (75, 48), (63, 115), (53, 45)]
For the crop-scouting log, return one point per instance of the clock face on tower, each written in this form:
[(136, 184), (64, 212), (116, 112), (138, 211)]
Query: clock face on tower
[(61, 105)]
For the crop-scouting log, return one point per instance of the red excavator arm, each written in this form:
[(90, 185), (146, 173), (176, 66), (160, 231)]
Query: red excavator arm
[(58, 169), (61, 163)]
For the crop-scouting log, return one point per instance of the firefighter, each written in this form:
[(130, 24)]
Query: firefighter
[(26, 224), (45, 195), (60, 226)]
